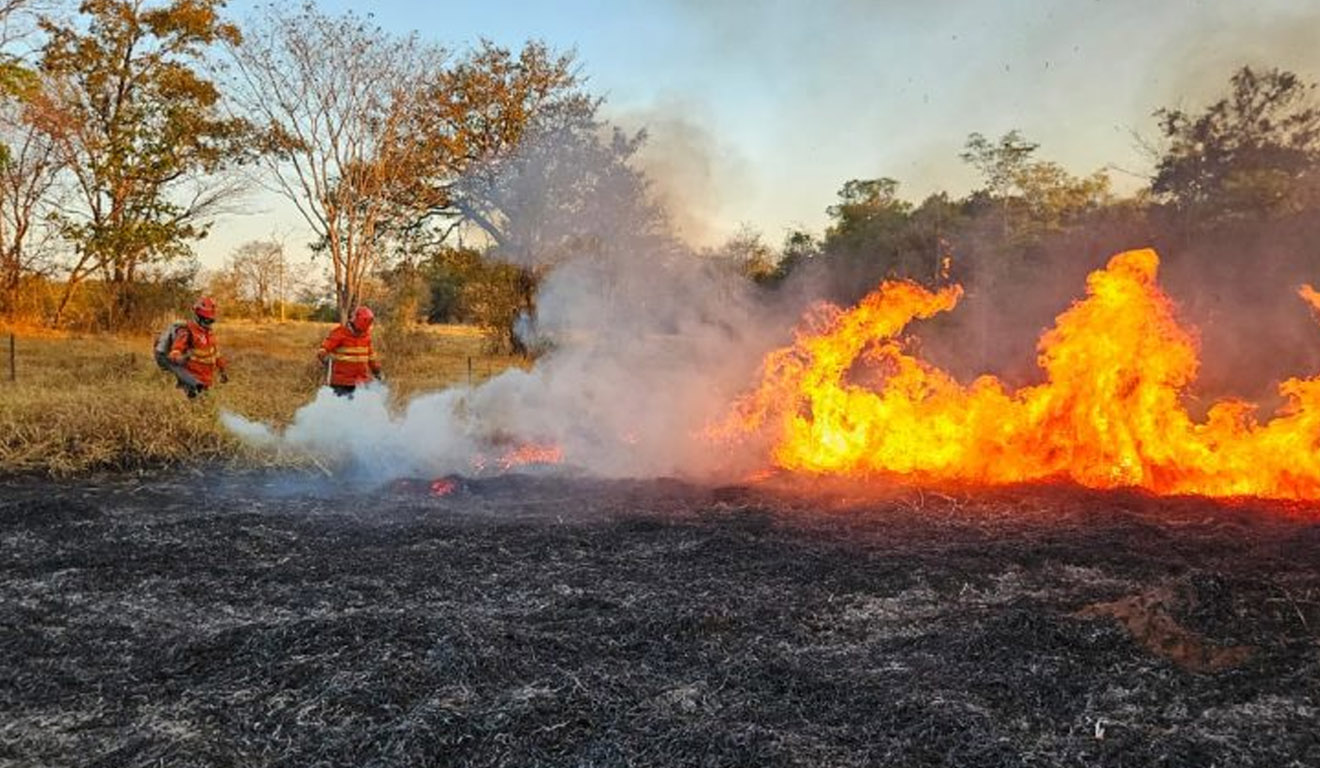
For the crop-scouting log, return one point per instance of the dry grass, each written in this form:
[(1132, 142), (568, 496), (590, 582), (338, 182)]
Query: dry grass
[(99, 402)]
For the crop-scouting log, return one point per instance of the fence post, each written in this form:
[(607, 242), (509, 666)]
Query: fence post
[(13, 370), (469, 370)]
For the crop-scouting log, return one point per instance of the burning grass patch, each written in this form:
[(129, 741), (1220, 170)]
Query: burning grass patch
[(263, 619)]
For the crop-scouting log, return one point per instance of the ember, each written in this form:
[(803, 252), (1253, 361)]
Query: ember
[(530, 453), (1109, 414), (443, 486)]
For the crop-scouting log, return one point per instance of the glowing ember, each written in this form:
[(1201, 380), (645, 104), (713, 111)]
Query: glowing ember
[(520, 455), (530, 453), (1108, 414), (443, 486)]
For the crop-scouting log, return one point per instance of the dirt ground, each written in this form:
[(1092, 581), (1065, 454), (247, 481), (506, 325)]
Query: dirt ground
[(275, 620)]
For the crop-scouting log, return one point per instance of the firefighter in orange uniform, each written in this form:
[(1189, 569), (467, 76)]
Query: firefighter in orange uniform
[(193, 355), (349, 354)]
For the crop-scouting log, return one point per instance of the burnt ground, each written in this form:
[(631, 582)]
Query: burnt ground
[(264, 620)]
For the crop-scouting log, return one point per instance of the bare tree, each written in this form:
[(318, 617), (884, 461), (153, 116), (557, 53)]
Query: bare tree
[(262, 275), (334, 96)]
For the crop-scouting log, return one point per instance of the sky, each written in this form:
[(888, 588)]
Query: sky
[(758, 111)]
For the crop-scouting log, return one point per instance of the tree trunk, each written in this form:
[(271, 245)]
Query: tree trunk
[(69, 286)]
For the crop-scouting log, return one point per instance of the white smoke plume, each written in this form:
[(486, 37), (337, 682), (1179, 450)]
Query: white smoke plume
[(649, 341)]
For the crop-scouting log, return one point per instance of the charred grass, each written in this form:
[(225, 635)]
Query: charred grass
[(275, 620), (82, 404)]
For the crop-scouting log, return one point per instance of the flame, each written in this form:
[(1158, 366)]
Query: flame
[(847, 399), (1310, 296), (531, 453)]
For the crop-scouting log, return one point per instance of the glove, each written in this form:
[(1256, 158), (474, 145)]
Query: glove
[(380, 376), (224, 377)]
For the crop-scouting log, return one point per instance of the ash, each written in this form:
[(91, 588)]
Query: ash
[(276, 620)]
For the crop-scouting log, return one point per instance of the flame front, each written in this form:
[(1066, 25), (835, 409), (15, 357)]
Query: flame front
[(847, 399)]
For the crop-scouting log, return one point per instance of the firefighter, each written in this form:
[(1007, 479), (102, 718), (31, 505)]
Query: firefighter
[(349, 355), (193, 356)]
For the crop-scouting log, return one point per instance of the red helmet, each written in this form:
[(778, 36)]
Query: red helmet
[(205, 310), (362, 319)]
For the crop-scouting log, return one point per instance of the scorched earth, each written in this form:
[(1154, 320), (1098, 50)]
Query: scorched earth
[(521, 620)]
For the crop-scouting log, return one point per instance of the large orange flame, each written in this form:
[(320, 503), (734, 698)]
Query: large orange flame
[(847, 399)]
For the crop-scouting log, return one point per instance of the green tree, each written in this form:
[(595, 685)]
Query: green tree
[(1052, 198), (1001, 164), (1252, 153), (799, 249), (141, 130), (872, 237), (1030, 197)]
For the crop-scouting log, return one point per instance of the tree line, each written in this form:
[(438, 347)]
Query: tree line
[(443, 183), (131, 126)]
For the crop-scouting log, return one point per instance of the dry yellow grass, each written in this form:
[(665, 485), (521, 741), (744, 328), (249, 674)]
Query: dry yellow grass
[(99, 402)]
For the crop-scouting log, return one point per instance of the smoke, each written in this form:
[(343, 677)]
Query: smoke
[(648, 342), (435, 434), (1235, 286), (692, 174)]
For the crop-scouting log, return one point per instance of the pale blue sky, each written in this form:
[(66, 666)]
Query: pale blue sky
[(760, 111)]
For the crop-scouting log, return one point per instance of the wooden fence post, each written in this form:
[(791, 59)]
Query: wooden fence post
[(13, 369)]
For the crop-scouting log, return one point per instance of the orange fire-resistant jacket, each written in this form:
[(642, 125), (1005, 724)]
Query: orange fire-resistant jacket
[(194, 348), (352, 358)]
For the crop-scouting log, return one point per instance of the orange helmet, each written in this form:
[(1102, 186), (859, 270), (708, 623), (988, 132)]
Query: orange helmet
[(362, 319), (205, 310)]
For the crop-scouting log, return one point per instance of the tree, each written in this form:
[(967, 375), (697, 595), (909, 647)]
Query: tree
[(1001, 165), (472, 128), (17, 22), (870, 238), (799, 249), (1032, 197), (262, 275), (1251, 153), (141, 131), (1052, 198), (29, 194), (337, 100), (746, 252), (566, 192)]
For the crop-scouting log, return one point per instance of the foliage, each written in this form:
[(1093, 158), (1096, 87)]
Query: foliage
[(747, 254), (30, 194), (1032, 197), (258, 281), (139, 125), (569, 193), (472, 121), (1253, 153), (334, 96), (875, 235)]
